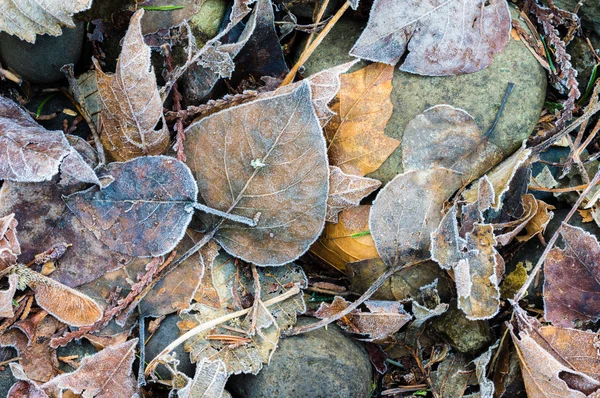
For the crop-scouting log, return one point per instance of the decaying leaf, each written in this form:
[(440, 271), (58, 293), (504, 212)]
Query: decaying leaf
[(145, 211), (209, 381), (511, 229), (452, 376), (346, 191), (132, 120), (88, 87), (546, 371), (429, 306), (6, 297), (10, 248), (407, 210), (347, 241), (383, 319), (538, 223), (444, 136), (355, 139), (26, 19), (267, 157), (442, 37), (572, 275), (475, 263), (29, 153), (242, 352)]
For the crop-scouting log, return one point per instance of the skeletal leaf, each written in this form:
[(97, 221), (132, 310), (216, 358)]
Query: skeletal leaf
[(29, 153), (9, 244), (145, 211), (407, 210), (106, 374), (226, 152), (356, 142), (132, 120), (444, 136), (6, 297), (442, 37), (209, 381), (572, 275), (26, 19), (475, 263), (383, 319), (346, 241), (64, 303), (346, 191)]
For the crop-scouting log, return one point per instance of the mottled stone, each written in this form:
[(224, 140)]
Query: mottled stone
[(469, 337)]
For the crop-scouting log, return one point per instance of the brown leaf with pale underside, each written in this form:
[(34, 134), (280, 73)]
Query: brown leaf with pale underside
[(355, 139), (9, 244), (346, 191), (336, 245), (132, 104), (6, 297), (442, 37)]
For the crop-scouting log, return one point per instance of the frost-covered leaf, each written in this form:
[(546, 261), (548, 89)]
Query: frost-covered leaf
[(145, 211), (452, 376), (75, 168), (88, 87), (267, 157), (26, 19), (407, 210), (132, 118), (444, 136), (348, 240), (511, 229), (538, 223), (28, 152), (355, 139), (572, 275), (6, 297), (346, 191), (208, 382), (442, 37), (10, 248)]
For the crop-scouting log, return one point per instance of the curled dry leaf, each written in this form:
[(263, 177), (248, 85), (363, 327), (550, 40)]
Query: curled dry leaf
[(442, 37), (266, 157), (383, 319), (407, 210), (132, 120), (444, 136), (452, 376), (538, 223), (26, 19), (572, 275), (348, 240), (145, 211), (356, 142), (6, 297), (512, 228), (209, 381), (346, 191), (9, 244)]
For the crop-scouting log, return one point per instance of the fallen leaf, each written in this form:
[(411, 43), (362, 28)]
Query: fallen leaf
[(355, 139), (6, 297), (572, 275), (430, 307), (383, 319), (511, 229), (407, 210), (209, 381), (346, 241), (145, 211), (75, 168), (346, 191), (10, 248), (452, 376), (88, 87), (28, 19), (486, 386), (267, 157), (132, 118), (441, 37), (538, 223), (444, 136)]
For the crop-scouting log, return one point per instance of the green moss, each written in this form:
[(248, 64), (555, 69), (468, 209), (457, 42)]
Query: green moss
[(513, 282), (207, 21)]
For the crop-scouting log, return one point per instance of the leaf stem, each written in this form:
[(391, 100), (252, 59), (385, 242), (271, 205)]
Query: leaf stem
[(232, 217)]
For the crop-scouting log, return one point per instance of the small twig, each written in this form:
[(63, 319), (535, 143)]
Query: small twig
[(177, 97), (216, 322), (316, 21), (229, 216), (142, 354), (8, 75), (509, 90), (256, 302)]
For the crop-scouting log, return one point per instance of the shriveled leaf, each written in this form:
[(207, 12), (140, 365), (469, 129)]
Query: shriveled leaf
[(383, 319), (10, 248), (26, 19), (346, 241), (538, 223), (64, 303), (355, 139), (442, 37), (486, 386), (106, 374), (88, 86), (132, 120), (452, 376), (511, 229), (28, 152), (572, 279), (444, 136), (145, 211), (429, 306), (209, 381), (545, 371), (266, 157), (6, 297), (407, 210), (346, 191), (475, 263)]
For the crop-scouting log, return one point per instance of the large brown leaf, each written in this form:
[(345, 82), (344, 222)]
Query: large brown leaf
[(266, 157), (145, 211), (572, 279), (407, 210), (132, 120), (355, 139), (442, 37), (26, 19), (346, 191)]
